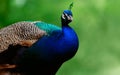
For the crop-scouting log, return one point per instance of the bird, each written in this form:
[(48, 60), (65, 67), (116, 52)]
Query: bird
[(36, 47)]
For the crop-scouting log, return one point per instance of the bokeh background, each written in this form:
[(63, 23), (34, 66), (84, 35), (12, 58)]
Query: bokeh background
[(95, 21)]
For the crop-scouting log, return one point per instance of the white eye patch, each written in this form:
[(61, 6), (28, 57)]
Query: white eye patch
[(68, 17), (63, 16)]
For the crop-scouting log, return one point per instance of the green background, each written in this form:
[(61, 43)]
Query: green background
[(95, 21)]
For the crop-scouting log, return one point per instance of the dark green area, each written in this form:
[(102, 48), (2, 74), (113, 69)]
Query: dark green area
[(97, 23)]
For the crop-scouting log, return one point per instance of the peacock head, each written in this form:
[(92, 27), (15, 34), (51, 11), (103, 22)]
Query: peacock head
[(66, 17)]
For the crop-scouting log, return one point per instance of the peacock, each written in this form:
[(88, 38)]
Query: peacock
[(36, 47)]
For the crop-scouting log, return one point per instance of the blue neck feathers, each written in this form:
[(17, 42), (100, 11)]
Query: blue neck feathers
[(50, 51)]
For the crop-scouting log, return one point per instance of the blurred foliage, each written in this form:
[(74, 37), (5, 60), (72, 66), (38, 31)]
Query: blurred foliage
[(95, 21)]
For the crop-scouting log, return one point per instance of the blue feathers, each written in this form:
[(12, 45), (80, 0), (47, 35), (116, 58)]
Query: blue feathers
[(68, 12), (62, 42), (50, 51), (56, 47)]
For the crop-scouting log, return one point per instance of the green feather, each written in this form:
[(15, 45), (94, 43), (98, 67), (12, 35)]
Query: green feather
[(49, 28), (70, 6)]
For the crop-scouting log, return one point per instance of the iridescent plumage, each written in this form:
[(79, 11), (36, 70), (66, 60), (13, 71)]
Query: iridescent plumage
[(52, 46)]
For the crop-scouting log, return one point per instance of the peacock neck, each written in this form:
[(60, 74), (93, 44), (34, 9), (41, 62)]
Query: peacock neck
[(66, 28), (65, 25)]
